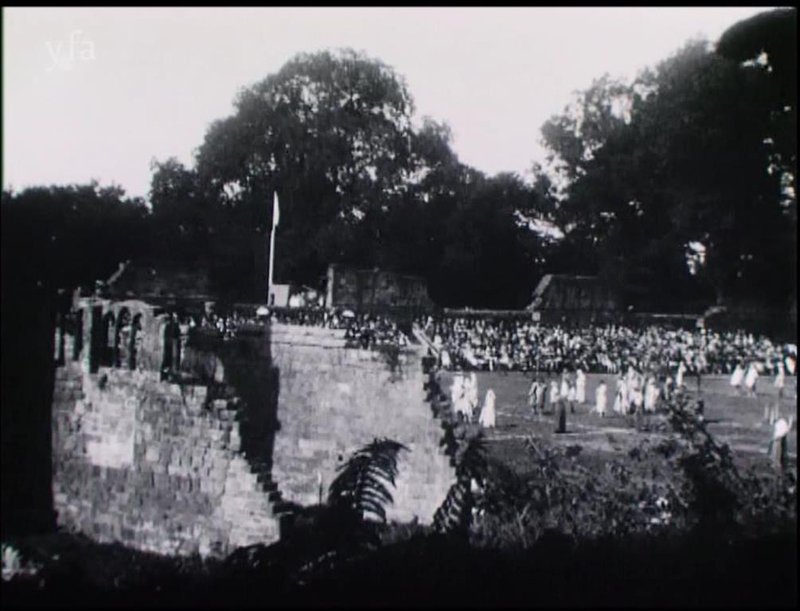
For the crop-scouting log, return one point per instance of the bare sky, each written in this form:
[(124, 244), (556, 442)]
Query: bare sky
[(98, 93)]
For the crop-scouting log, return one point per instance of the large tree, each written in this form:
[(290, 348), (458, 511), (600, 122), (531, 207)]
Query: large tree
[(331, 134), (682, 165)]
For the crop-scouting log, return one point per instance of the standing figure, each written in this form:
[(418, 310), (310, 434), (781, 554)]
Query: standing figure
[(458, 395), (571, 395), (679, 375), (780, 380), (790, 363), (636, 396), (580, 386), (553, 395), (561, 426), (750, 379), (621, 397), (456, 390), (444, 356), (601, 398), (650, 394), (564, 392), (533, 395), (542, 396), (472, 394), (737, 377), (488, 414), (777, 447)]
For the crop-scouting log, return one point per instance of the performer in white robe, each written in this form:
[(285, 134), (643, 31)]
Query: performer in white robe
[(533, 395), (601, 398), (777, 447), (553, 395), (636, 397), (456, 389), (790, 363), (650, 394), (564, 392), (461, 400), (488, 415), (679, 375), (750, 379), (621, 397), (472, 394), (444, 355), (737, 376), (631, 387), (666, 388), (580, 386)]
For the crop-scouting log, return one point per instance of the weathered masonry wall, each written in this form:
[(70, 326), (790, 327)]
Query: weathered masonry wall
[(157, 465), (182, 442), (364, 289), (334, 400)]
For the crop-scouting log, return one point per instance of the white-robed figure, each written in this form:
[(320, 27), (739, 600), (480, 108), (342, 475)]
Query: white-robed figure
[(679, 375), (444, 355), (601, 398), (777, 447), (635, 394), (488, 414), (621, 397), (750, 378), (456, 390), (459, 396), (790, 363), (553, 394), (737, 376), (580, 386), (631, 383), (564, 392), (533, 395), (650, 394), (472, 394)]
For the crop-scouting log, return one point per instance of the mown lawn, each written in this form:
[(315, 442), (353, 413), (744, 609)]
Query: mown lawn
[(736, 420)]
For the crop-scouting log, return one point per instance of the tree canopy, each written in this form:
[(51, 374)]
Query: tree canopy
[(679, 187), (673, 181)]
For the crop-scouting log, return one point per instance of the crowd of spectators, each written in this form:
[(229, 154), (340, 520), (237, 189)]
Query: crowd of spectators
[(516, 344), (362, 330), (522, 345)]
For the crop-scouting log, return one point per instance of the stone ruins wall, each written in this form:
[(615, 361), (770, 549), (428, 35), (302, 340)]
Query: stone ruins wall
[(334, 400), (152, 465), (365, 289), (157, 465), (194, 452)]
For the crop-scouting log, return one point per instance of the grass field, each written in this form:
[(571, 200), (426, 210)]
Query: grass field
[(734, 419)]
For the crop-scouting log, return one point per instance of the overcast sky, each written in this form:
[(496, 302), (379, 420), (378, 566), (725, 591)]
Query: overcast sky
[(98, 93)]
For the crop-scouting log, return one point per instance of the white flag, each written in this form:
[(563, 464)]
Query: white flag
[(276, 211)]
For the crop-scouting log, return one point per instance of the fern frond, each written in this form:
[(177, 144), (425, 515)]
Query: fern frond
[(360, 486), (455, 512)]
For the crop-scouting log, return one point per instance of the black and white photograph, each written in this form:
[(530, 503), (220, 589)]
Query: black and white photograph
[(399, 307)]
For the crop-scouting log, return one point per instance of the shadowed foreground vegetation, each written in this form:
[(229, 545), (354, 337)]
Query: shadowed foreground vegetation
[(424, 568)]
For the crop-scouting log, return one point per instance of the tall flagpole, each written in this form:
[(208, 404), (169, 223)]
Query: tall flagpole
[(275, 218)]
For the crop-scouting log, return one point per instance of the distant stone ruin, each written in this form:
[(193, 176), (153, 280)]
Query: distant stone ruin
[(576, 299), (180, 440), (368, 289)]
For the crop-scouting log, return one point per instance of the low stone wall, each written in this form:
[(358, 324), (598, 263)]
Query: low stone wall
[(154, 465), (334, 400)]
